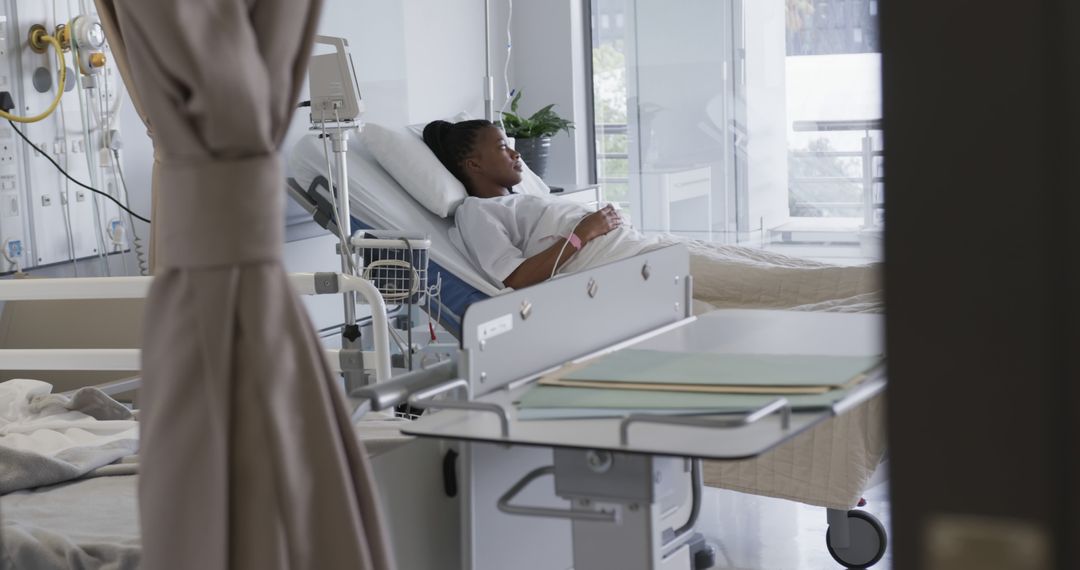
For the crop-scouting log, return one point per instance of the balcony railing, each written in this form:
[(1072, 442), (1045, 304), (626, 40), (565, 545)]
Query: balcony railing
[(867, 180), (606, 181)]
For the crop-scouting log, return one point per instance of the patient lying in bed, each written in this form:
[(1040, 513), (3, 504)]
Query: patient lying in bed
[(518, 240)]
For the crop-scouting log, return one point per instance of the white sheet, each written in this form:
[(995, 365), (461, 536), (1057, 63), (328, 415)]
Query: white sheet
[(47, 438), (381, 202)]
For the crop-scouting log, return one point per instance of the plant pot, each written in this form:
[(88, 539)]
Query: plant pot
[(534, 151)]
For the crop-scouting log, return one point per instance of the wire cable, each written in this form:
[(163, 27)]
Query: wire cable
[(563, 248), (64, 172)]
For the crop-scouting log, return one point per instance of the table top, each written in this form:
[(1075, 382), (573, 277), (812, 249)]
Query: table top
[(724, 331)]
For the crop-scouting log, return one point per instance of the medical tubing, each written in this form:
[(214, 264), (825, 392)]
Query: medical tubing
[(136, 241), (509, 51), (408, 298), (64, 172), (405, 265), (84, 116), (59, 88), (565, 243), (110, 113), (65, 206), (65, 210)]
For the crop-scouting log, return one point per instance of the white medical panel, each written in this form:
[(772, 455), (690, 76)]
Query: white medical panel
[(44, 217)]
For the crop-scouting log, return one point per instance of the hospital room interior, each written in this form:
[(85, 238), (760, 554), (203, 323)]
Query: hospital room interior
[(539, 284)]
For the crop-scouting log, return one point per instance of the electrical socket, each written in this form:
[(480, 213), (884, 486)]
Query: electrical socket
[(14, 248)]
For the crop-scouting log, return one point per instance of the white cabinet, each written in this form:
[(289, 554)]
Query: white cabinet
[(677, 201), (591, 195)]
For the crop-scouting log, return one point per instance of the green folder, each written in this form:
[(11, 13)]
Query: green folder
[(558, 397), (712, 369)]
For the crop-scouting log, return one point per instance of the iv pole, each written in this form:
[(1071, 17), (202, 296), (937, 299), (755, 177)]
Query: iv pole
[(333, 75), (489, 81)]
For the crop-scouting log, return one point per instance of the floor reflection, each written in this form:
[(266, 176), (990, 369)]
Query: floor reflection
[(762, 533)]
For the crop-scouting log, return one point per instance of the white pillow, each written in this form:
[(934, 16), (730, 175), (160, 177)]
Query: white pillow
[(418, 128), (409, 160), (530, 182), (415, 167)]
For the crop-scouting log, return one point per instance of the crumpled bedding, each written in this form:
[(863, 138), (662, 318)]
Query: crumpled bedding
[(49, 438), (92, 523)]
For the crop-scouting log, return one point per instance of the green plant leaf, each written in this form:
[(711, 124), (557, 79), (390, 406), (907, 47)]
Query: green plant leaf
[(545, 122)]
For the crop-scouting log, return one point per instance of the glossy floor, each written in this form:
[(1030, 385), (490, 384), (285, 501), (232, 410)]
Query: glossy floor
[(761, 533)]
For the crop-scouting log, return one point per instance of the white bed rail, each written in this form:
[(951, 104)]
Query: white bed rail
[(137, 287), (102, 359)]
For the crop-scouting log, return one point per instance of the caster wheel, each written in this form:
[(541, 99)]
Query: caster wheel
[(867, 544)]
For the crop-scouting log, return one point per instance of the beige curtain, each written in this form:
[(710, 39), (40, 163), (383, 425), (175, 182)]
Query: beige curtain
[(248, 459)]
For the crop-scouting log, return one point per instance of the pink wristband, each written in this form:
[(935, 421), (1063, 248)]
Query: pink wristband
[(574, 240)]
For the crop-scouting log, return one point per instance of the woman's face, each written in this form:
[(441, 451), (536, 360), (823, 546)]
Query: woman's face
[(493, 161)]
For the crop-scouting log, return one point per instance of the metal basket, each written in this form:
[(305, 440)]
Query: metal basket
[(395, 262)]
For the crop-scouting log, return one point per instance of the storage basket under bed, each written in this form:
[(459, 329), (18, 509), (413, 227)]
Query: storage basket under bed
[(395, 262)]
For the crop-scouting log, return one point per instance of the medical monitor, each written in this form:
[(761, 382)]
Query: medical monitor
[(335, 93)]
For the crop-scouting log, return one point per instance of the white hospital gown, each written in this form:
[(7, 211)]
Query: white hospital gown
[(498, 234)]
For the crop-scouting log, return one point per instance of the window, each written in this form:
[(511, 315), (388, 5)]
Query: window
[(833, 94), (707, 130)]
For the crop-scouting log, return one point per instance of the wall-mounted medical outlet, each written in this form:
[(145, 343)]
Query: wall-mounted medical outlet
[(46, 201), (9, 205), (80, 196), (14, 248)]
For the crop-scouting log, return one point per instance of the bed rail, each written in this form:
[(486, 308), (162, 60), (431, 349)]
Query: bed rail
[(137, 287)]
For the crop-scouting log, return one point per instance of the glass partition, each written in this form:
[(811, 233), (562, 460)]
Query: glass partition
[(742, 121)]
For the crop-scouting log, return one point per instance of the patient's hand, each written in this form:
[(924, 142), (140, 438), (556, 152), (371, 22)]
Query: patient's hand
[(598, 223)]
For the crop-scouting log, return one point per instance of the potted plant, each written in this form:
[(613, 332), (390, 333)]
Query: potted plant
[(533, 134)]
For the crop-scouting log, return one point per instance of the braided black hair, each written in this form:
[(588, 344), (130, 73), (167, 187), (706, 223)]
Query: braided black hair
[(452, 142)]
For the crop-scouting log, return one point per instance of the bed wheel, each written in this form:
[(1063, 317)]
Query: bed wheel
[(867, 541)]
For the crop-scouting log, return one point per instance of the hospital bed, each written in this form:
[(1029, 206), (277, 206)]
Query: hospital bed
[(92, 522), (378, 202), (625, 489), (828, 466)]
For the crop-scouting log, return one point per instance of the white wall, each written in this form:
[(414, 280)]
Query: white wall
[(416, 60), (444, 58), (766, 112), (548, 65)]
